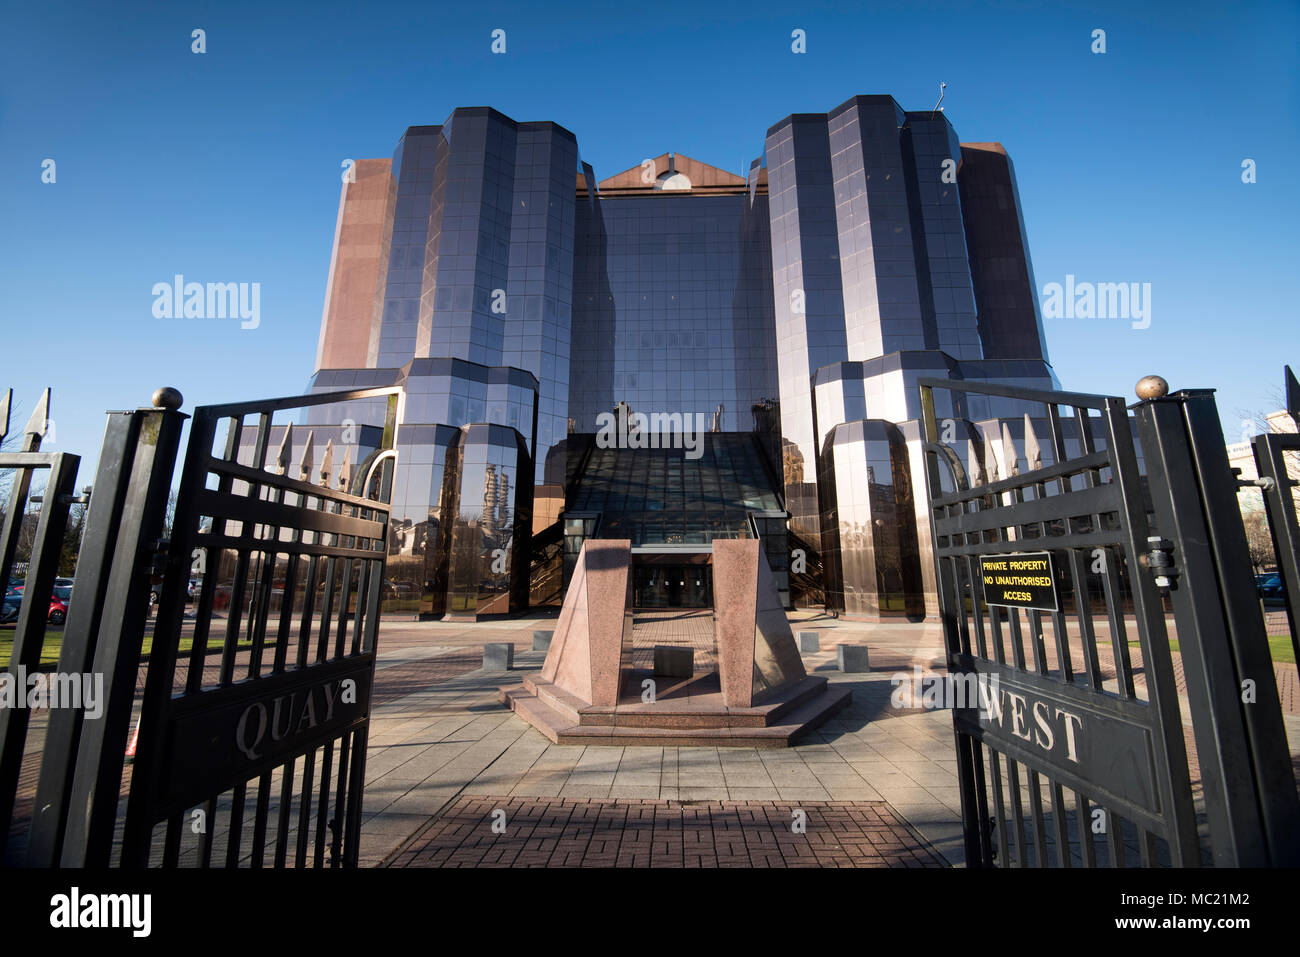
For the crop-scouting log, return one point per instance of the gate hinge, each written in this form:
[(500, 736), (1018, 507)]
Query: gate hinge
[(1160, 562)]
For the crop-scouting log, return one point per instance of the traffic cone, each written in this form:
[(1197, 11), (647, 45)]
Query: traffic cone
[(135, 736)]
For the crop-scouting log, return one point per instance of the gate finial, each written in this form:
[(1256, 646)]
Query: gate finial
[(167, 398), (305, 463), (976, 470), (39, 423), (327, 464), (345, 470), (1292, 394), (1033, 451), (282, 457), (990, 462), (1151, 387), (1009, 451)]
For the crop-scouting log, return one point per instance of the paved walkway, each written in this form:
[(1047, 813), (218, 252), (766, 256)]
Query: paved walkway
[(577, 832), (445, 756), (437, 747)]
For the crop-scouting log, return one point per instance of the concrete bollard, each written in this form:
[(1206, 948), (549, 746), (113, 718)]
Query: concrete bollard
[(498, 656), (675, 661), (542, 640), (852, 658), (808, 642)]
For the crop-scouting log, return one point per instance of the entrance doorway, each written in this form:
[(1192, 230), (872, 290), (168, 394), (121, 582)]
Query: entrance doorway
[(660, 584)]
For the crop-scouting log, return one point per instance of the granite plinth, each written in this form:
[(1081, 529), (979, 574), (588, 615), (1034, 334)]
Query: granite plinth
[(696, 719), (590, 692)]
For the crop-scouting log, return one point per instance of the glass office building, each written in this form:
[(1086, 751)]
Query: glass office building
[(763, 332)]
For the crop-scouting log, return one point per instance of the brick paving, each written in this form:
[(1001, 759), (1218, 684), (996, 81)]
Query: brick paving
[(577, 832), (676, 626)]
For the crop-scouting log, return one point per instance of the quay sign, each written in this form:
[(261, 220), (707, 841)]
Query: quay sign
[(218, 739), (1026, 580)]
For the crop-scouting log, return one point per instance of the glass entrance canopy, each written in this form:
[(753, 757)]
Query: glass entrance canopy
[(671, 496)]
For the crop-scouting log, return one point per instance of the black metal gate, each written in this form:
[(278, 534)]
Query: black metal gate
[(1050, 584), (1277, 462), (297, 562), (251, 725), (28, 609)]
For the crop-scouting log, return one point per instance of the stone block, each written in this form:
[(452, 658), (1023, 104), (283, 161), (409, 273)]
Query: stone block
[(498, 656), (542, 640), (808, 642), (852, 658), (675, 661)]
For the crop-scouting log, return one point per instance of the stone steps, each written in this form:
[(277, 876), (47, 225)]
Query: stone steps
[(798, 710)]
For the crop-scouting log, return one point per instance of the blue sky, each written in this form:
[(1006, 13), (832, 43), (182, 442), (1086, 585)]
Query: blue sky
[(225, 166)]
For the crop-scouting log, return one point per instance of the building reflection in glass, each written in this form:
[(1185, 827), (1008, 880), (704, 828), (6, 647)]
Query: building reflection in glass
[(487, 522), (874, 562)]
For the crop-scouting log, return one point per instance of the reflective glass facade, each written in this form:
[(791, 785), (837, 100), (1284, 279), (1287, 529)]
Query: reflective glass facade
[(872, 553), (675, 313), (426, 508), (792, 307), (487, 522), (481, 254)]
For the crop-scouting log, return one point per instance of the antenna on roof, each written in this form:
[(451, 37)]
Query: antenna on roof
[(938, 107)]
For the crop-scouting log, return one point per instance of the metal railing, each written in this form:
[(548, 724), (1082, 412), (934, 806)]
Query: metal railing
[(38, 585)]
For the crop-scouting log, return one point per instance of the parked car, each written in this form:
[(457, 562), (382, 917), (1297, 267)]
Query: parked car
[(56, 615), (1269, 588), (58, 612)]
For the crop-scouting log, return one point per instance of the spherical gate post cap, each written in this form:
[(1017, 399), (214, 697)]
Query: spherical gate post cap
[(167, 398), (1151, 387)]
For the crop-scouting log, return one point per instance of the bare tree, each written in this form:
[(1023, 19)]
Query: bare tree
[(72, 539), (1278, 397), (169, 518), (1259, 540), (10, 443)]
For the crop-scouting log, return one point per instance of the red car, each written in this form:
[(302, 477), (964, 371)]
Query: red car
[(57, 614)]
